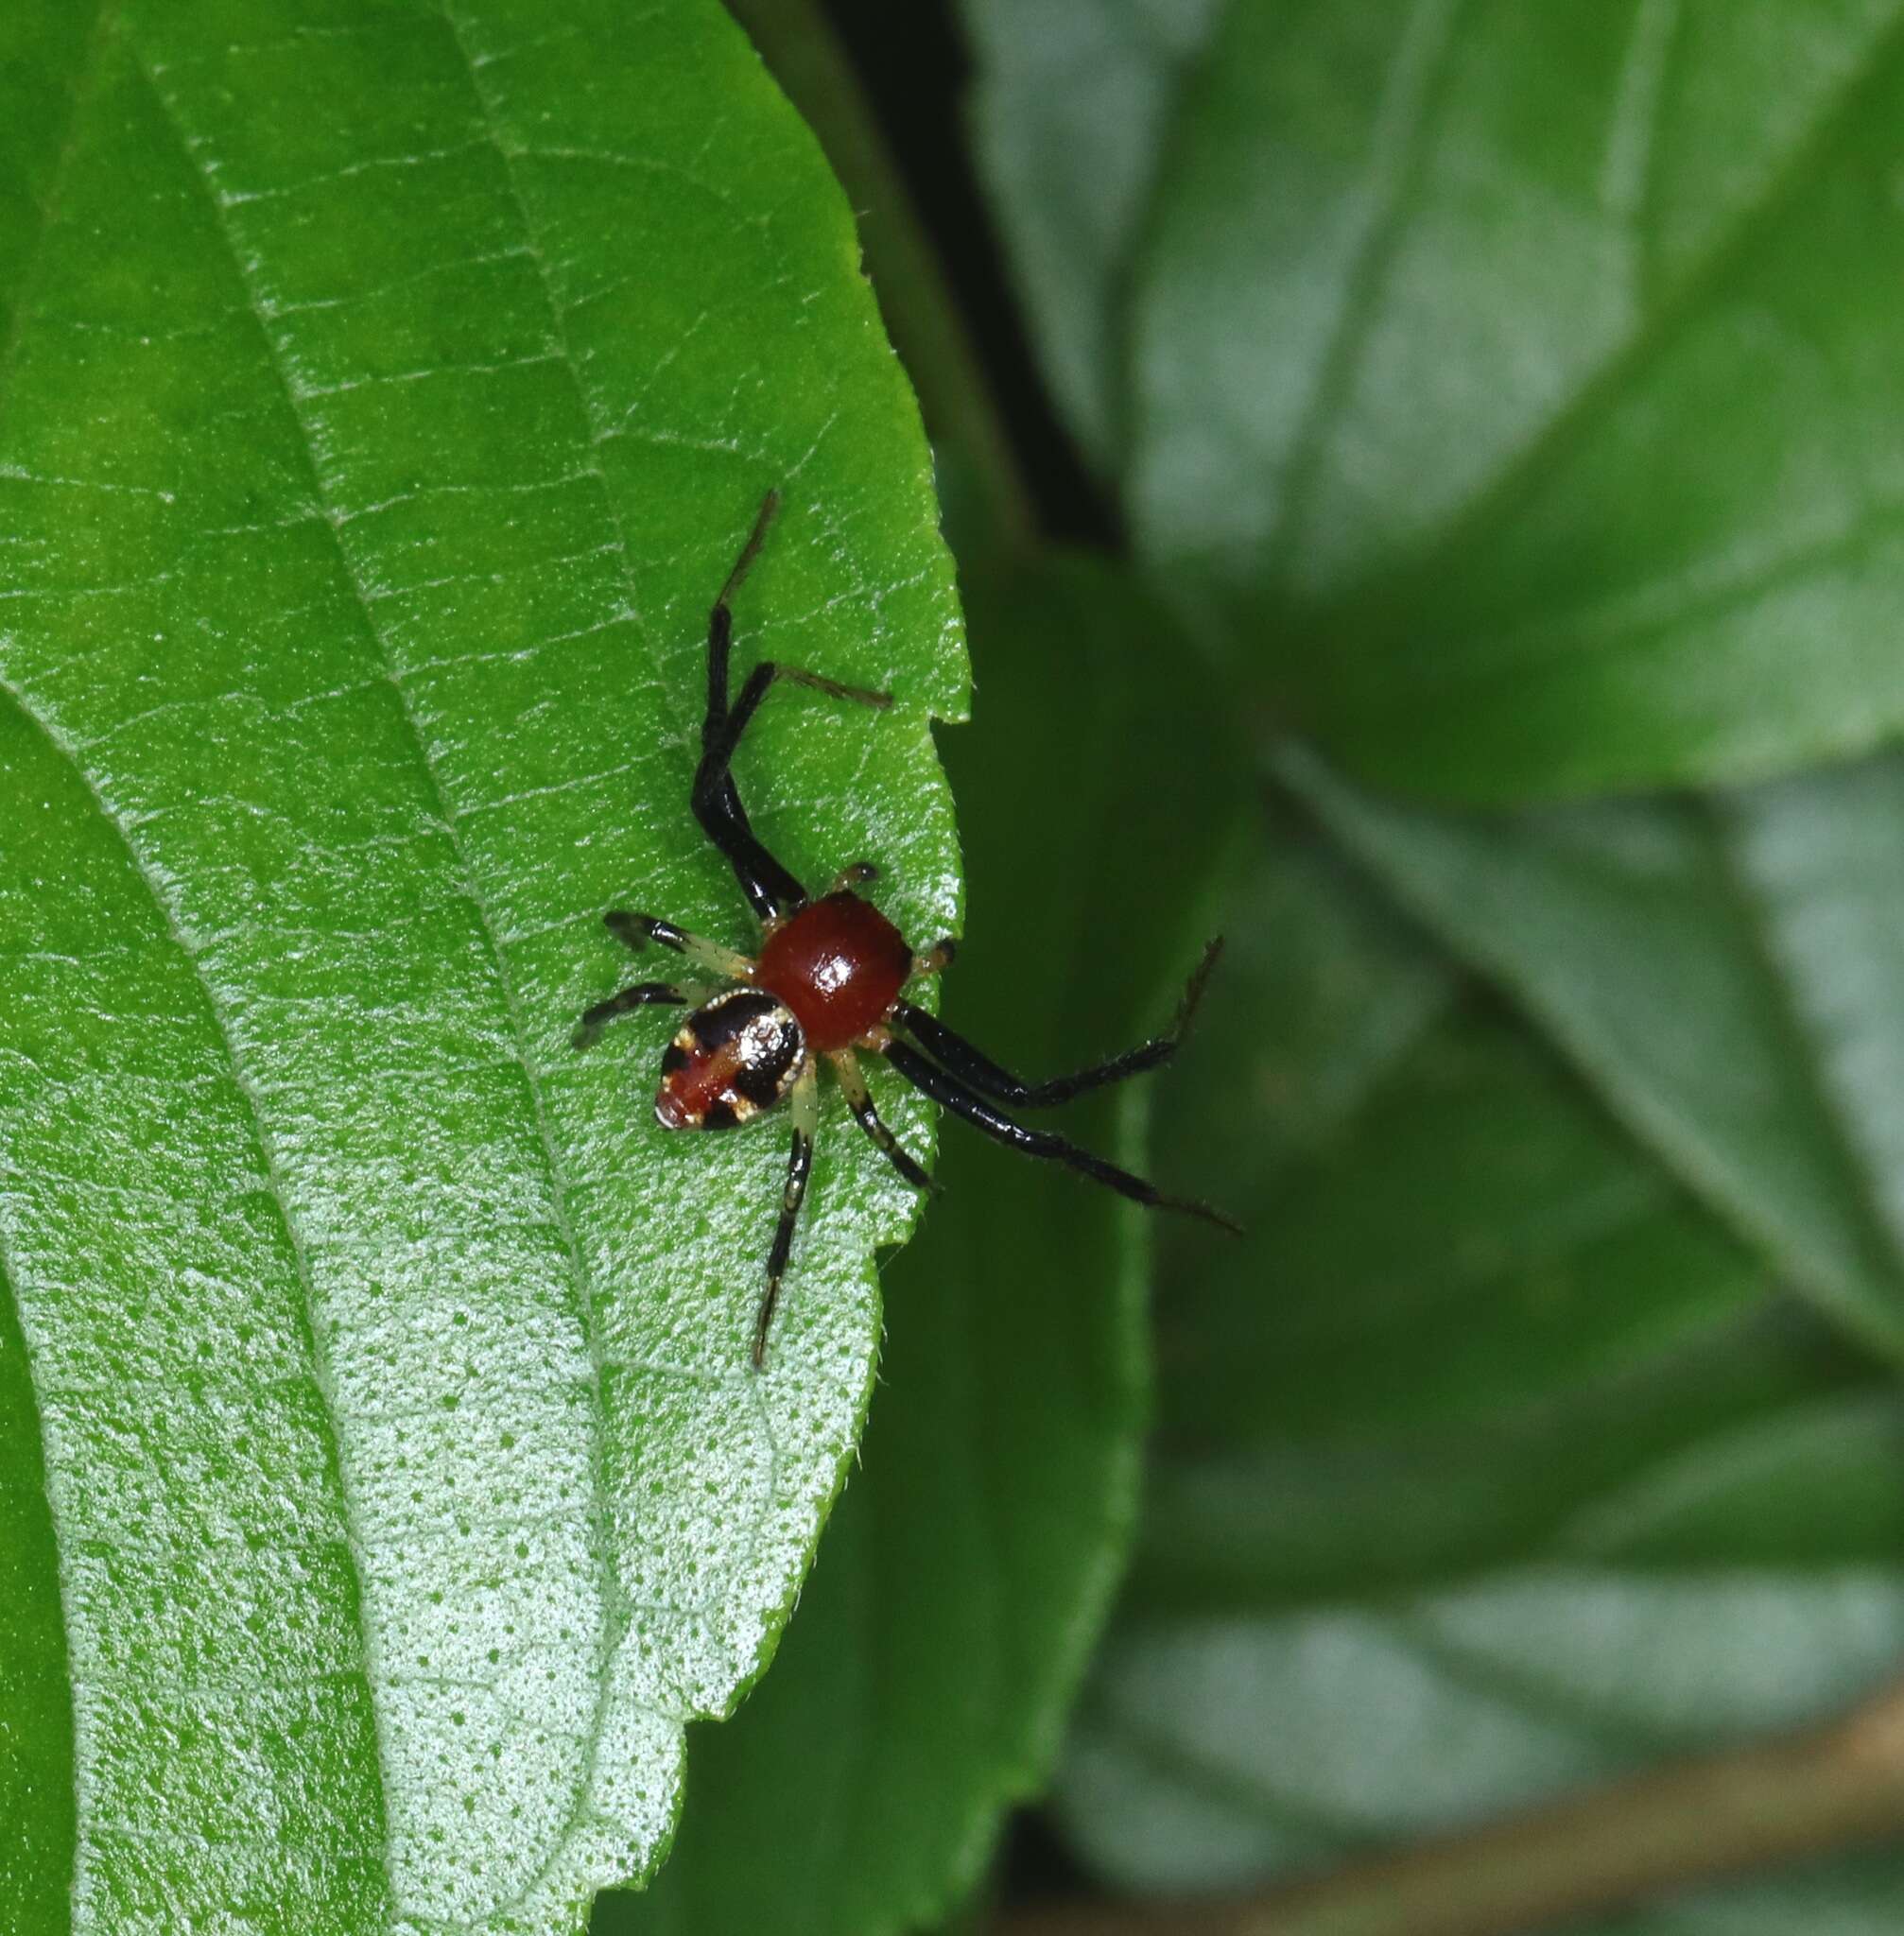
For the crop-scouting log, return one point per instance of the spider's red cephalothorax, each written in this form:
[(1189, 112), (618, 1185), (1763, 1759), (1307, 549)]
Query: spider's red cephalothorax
[(838, 964), (830, 979)]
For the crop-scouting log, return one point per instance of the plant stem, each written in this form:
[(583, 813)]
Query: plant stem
[(921, 311), (1812, 1793)]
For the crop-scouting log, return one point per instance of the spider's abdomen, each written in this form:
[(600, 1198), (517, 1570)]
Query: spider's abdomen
[(838, 964), (729, 1060)]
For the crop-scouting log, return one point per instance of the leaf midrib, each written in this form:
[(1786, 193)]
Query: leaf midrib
[(1397, 160), (1660, 1123), (321, 1379), (1795, 1038), (616, 1606)]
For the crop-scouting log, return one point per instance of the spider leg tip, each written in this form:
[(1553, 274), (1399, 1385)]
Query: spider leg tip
[(763, 1323)]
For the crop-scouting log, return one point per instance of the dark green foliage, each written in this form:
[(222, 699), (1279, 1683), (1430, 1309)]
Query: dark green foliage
[(1500, 403)]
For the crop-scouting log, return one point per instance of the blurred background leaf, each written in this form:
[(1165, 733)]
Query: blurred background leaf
[(1505, 397), (1510, 389), (1726, 972), (1501, 1468)]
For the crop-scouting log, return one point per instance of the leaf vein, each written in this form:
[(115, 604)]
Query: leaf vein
[(615, 1610), (1421, 59), (322, 1375), (1495, 502)]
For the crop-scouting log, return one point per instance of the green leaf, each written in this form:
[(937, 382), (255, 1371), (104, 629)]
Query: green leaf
[(1546, 1481), (36, 1715), (1512, 384), (1724, 972), (389, 390), (967, 1571)]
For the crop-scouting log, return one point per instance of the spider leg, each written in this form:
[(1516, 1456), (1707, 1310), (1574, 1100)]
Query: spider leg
[(588, 1030), (634, 931), (770, 888), (936, 960), (861, 873), (859, 1100), (949, 1089), (978, 1071), (799, 1166)]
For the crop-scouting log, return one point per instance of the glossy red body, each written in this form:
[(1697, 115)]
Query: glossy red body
[(838, 964)]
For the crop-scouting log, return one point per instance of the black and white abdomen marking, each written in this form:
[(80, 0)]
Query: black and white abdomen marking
[(729, 1060)]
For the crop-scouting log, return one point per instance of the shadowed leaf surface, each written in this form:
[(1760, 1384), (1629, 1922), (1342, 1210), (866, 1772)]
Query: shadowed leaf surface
[(388, 389)]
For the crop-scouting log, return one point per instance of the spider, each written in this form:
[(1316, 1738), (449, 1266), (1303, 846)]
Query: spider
[(829, 981)]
